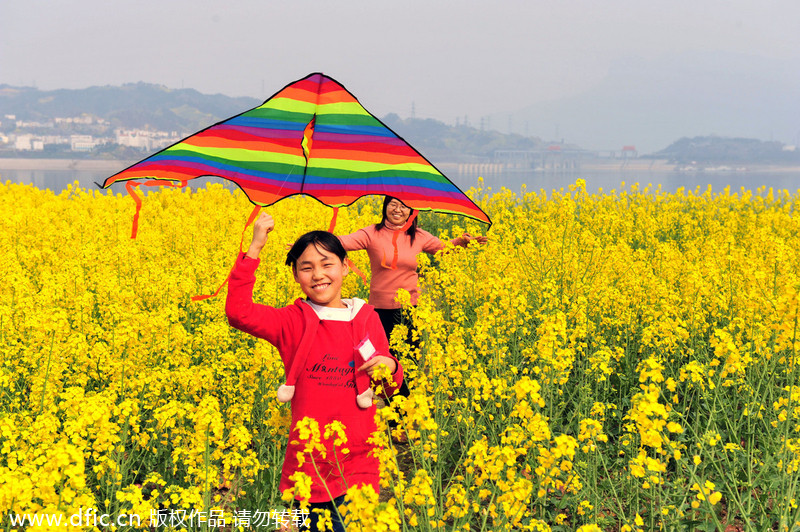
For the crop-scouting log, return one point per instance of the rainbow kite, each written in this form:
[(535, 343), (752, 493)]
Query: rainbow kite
[(312, 137)]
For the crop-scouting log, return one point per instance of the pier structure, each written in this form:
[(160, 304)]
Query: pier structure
[(553, 159)]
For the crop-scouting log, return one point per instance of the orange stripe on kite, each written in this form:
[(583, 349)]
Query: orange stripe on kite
[(299, 94), (336, 96)]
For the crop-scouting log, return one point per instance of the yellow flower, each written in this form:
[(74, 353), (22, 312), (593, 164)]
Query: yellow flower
[(619, 316)]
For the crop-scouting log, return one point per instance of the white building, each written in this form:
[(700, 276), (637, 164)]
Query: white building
[(83, 119), (82, 142), (144, 139), (30, 123), (28, 143)]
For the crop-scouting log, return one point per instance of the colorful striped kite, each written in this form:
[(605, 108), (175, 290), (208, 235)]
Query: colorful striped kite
[(312, 137)]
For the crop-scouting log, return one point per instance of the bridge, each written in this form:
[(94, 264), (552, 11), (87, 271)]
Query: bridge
[(552, 159)]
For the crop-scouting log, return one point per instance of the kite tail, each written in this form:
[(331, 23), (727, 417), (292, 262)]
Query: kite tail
[(130, 186), (358, 272), (333, 220), (394, 242), (250, 220), (350, 263)]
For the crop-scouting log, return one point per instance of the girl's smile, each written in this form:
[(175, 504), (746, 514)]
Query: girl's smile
[(319, 274)]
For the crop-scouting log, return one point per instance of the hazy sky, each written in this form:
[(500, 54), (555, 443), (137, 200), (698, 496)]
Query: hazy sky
[(450, 59)]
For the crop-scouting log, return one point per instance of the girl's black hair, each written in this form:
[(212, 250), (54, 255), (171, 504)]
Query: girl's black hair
[(323, 239), (412, 229)]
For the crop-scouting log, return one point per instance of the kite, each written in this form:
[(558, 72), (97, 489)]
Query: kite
[(314, 138)]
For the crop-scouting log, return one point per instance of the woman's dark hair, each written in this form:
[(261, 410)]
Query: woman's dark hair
[(323, 239), (412, 229)]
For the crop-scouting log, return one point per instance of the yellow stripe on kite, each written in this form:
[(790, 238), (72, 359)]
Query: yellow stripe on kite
[(291, 106), (366, 166), (342, 108), (235, 154)]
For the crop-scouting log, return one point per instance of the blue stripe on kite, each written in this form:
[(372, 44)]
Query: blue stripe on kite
[(382, 180), (265, 123), (373, 131), (387, 188), (348, 138), (227, 168)]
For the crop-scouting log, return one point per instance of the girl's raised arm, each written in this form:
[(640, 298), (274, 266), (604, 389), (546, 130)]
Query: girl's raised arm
[(263, 226), (262, 321)]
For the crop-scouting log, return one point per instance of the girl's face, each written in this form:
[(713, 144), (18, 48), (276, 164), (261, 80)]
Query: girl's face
[(319, 274), (397, 213)]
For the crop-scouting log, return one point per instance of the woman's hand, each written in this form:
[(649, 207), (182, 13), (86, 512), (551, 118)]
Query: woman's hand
[(372, 364), (261, 228), (466, 238)]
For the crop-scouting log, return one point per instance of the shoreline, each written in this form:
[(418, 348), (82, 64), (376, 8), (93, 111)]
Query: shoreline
[(91, 165), (112, 166)]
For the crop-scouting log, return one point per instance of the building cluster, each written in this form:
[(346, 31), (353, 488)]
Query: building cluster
[(34, 136)]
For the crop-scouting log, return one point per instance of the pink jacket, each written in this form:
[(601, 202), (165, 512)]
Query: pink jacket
[(385, 281)]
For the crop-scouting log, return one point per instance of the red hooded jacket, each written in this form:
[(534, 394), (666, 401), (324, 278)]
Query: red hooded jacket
[(319, 358)]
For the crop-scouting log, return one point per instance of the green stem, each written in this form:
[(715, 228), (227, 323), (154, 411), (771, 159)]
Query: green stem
[(47, 371)]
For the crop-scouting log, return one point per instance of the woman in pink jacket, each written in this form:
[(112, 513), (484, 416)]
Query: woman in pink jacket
[(395, 268)]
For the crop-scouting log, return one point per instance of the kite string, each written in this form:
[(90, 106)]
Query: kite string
[(250, 220)]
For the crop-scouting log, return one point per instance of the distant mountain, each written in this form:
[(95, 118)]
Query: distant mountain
[(721, 150), (650, 103), (133, 105), (438, 140), (143, 105)]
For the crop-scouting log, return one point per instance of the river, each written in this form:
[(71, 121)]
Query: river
[(57, 174)]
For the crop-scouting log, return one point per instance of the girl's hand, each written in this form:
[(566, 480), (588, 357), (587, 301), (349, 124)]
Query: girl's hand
[(371, 365), (466, 238), (261, 228)]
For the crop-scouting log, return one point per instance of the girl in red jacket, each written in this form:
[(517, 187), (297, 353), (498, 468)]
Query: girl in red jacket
[(330, 349)]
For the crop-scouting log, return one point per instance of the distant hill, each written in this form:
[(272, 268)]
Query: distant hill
[(721, 150), (148, 106), (651, 102), (438, 140), (133, 105)]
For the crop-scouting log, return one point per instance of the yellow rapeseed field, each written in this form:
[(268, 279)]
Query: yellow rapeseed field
[(616, 361)]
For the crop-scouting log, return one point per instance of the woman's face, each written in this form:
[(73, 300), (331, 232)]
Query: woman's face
[(396, 212)]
